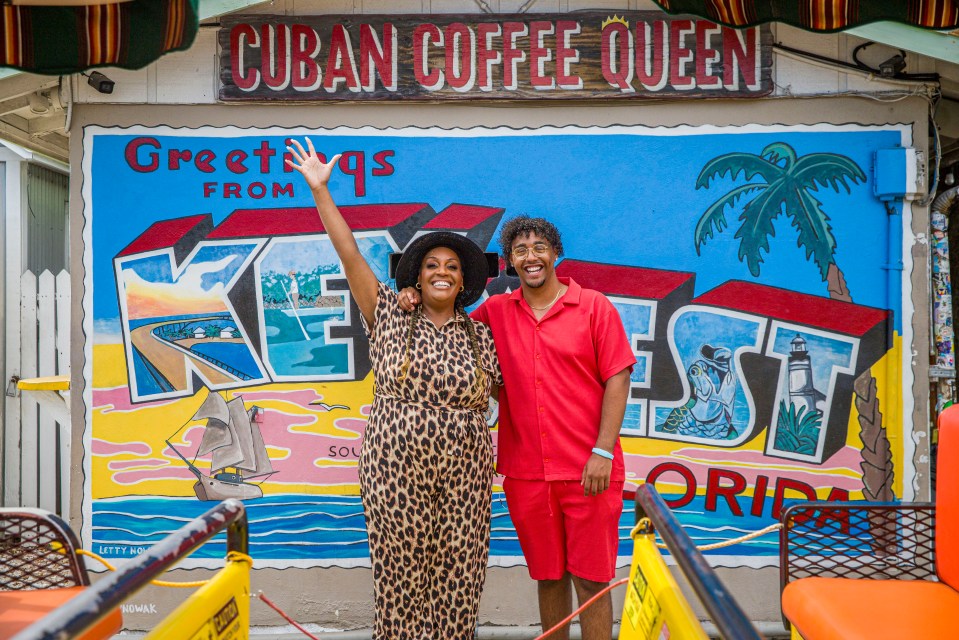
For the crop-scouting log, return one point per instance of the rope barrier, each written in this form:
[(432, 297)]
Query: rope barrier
[(271, 604), (729, 543), (159, 583), (644, 524), (565, 621), (559, 625)]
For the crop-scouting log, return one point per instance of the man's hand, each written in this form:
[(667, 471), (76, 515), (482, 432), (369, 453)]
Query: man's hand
[(596, 475), (409, 298)]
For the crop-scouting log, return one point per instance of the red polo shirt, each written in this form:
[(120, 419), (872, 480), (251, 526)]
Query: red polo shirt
[(554, 372)]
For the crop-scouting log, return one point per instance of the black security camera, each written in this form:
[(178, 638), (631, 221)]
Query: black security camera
[(100, 82), (893, 66)]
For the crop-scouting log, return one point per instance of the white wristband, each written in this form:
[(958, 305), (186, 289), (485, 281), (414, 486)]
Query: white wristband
[(603, 453)]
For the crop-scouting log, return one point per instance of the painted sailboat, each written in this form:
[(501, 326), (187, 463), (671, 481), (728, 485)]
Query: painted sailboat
[(232, 435)]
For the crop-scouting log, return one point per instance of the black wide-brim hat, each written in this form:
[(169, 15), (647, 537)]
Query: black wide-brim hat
[(478, 266)]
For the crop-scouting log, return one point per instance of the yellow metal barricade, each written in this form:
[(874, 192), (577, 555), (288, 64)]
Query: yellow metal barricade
[(655, 606), (219, 610)]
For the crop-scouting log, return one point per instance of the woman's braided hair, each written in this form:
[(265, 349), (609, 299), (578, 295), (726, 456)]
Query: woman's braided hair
[(405, 367), (480, 374)]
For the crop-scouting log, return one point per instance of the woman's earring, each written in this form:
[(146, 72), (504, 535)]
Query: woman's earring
[(418, 286)]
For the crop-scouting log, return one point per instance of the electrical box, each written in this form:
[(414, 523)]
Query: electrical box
[(898, 173)]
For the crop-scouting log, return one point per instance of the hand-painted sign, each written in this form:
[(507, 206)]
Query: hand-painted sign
[(513, 57), (225, 355)]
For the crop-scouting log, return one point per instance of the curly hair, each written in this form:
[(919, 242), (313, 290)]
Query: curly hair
[(525, 225)]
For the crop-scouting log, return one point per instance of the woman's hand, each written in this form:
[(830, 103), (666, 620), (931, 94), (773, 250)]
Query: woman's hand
[(408, 299), (362, 280), (316, 173)]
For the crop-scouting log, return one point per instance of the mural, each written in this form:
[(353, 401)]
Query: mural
[(225, 357)]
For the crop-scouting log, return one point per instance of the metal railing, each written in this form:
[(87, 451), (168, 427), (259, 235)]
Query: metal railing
[(96, 602), (727, 615)]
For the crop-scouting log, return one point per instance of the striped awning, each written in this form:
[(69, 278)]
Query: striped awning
[(820, 15), (67, 39)]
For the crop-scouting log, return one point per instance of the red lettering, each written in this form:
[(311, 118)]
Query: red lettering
[(839, 515), (707, 58), (566, 55), (740, 56), (275, 62), (786, 484), (357, 170), (423, 36), (539, 54), (715, 490), (512, 55), (203, 161), (379, 56), (460, 56), (131, 154), (285, 190), (264, 153), (384, 168), (241, 37), (687, 476), (759, 496), (340, 67), (256, 190), (486, 54), (305, 71), (681, 56), (288, 157), (235, 160), (173, 157), (652, 54), (617, 45)]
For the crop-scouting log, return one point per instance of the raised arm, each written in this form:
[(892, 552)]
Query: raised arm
[(362, 280)]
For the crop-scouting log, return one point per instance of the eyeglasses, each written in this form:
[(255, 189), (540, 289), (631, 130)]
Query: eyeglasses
[(538, 249)]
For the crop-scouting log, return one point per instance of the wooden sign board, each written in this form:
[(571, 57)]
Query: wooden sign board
[(582, 55)]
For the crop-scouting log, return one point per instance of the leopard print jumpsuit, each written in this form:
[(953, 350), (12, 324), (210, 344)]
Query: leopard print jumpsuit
[(426, 471)]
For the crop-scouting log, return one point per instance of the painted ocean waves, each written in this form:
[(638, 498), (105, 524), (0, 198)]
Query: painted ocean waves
[(332, 528)]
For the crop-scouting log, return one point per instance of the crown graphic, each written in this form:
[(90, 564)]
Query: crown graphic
[(613, 20)]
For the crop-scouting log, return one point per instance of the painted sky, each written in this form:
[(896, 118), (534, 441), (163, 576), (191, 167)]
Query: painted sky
[(636, 185)]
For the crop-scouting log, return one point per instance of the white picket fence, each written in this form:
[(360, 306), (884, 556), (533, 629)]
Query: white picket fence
[(36, 451)]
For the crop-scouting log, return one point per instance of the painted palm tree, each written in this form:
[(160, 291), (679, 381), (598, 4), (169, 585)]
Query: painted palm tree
[(789, 183)]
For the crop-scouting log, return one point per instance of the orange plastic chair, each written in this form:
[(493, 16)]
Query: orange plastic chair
[(847, 608), (40, 570)]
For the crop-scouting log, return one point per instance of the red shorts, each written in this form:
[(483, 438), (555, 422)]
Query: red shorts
[(560, 530)]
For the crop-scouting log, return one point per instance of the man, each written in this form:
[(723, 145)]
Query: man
[(566, 363), (294, 291)]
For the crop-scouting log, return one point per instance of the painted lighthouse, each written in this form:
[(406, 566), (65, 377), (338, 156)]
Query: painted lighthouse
[(802, 393)]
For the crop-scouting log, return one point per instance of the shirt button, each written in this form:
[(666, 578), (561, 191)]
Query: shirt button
[(545, 459), (539, 383), (537, 328), (541, 409), (544, 434), (537, 356)]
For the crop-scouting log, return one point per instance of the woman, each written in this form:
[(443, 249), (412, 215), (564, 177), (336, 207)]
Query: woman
[(426, 465)]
